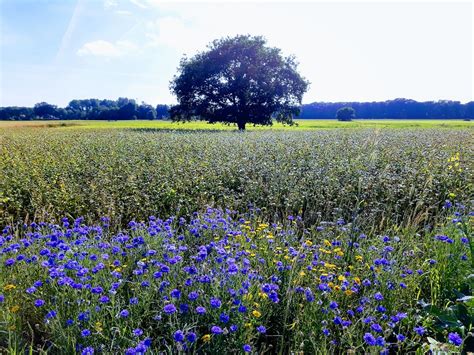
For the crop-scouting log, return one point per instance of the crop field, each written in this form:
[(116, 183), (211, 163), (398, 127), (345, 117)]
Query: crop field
[(154, 237), (300, 125)]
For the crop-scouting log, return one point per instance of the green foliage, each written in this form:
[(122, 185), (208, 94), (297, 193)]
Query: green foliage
[(238, 80), (345, 114), (399, 177)]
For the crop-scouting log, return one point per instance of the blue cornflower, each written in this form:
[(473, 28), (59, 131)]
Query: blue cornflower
[(200, 310), (9, 262), (378, 296), (419, 330), (2, 298), (216, 330), (370, 339), (215, 303), (137, 332), (247, 348), (124, 313), (133, 300), (104, 299), (261, 329), (88, 351), (39, 302), (191, 337), (401, 337), (377, 328), (85, 333), (224, 318), (333, 305), (455, 339), (178, 336), (193, 296), (169, 308), (51, 314)]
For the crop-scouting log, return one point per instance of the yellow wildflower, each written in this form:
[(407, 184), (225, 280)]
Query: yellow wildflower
[(348, 292), (308, 243), (15, 308), (256, 314), (205, 338), (9, 287), (98, 326)]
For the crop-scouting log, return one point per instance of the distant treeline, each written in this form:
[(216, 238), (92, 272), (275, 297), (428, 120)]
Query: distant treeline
[(398, 109), (128, 109), (88, 109)]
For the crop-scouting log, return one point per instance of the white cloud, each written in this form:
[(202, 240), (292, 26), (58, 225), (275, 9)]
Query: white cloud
[(123, 12), (108, 4), (140, 4), (101, 48)]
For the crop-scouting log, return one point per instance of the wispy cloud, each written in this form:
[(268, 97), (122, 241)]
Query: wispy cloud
[(101, 48), (108, 4), (66, 39), (139, 3)]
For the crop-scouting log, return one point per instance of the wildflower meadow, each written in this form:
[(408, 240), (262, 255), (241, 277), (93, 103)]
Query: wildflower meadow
[(164, 242)]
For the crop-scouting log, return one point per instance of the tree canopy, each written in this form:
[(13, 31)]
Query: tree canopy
[(345, 114), (238, 80)]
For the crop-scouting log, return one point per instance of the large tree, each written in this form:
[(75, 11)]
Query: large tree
[(238, 80)]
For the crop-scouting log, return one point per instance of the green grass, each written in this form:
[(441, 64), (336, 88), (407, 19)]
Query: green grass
[(379, 213), (301, 125)]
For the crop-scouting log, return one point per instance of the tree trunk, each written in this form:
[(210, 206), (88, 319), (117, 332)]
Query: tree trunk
[(241, 125)]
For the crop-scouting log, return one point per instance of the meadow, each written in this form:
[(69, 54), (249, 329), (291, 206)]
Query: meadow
[(151, 237)]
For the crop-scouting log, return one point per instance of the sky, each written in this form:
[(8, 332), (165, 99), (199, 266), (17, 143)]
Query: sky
[(59, 50)]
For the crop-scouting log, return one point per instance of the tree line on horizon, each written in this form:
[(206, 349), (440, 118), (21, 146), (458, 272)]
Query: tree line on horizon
[(129, 109), (87, 109)]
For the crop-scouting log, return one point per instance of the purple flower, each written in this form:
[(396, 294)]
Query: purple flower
[(377, 328), (104, 299), (215, 303), (124, 313), (39, 302), (169, 308), (51, 314), (216, 330), (419, 330), (9, 262), (191, 337), (137, 332), (88, 351), (224, 318), (261, 329), (193, 296), (455, 339), (370, 339), (200, 310), (378, 296), (178, 336)]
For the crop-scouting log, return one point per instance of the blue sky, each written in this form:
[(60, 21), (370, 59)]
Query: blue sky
[(59, 50)]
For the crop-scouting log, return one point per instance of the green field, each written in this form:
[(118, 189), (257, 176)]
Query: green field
[(300, 125), (156, 237)]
